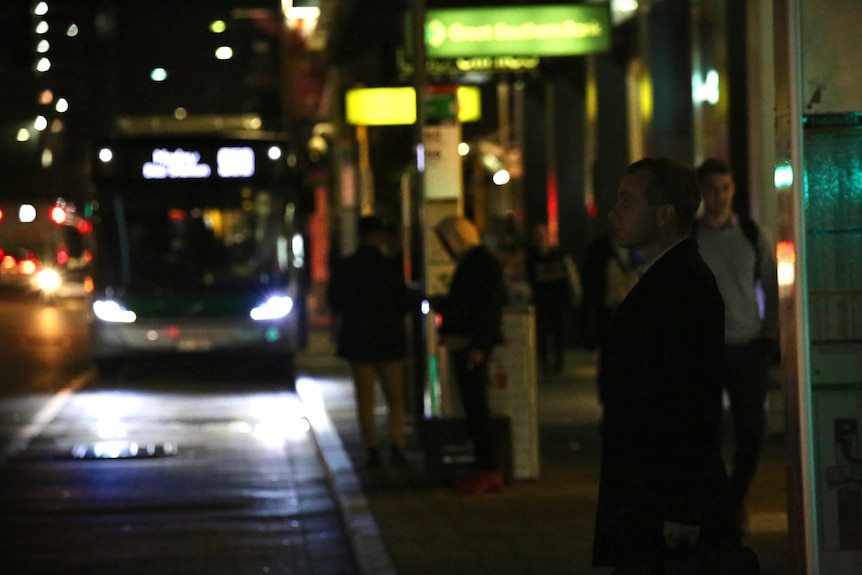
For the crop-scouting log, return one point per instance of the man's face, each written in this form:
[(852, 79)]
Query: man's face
[(717, 191), (634, 222)]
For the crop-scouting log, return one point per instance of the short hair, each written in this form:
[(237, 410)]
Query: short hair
[(371, 225), (712, 166), (671, 182)]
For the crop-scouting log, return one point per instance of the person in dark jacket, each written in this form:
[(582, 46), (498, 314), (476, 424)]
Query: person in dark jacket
[(555, 288), (472, 316), (662, 483), (371, 299)]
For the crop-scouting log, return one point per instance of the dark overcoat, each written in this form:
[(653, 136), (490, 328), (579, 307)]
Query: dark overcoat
[(371, 300), (473, 307), (660, 386)]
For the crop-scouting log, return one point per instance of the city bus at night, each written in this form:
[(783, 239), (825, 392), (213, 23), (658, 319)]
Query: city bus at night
[(197, 250), (44, 248)]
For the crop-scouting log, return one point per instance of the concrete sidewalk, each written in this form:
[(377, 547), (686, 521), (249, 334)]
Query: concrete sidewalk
[(404, 524)]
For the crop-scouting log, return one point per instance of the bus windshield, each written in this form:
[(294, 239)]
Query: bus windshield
[(181, 242)]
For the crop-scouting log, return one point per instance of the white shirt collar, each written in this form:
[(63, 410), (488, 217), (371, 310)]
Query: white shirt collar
[(643, 269)]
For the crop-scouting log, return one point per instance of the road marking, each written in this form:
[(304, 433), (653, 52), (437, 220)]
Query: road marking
[(44, 416)]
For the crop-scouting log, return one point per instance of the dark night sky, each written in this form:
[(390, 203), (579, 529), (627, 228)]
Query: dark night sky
[(16, 93), (158, 33), (106, 72)]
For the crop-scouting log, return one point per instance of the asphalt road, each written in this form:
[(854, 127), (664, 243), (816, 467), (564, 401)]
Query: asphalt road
[(170, 468)]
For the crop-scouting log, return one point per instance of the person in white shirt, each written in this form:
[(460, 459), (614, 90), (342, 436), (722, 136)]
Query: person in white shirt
[(742, 258)]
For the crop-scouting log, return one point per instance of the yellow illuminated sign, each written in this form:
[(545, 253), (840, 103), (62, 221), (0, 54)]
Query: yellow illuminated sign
[(397, 106), (469, 104)]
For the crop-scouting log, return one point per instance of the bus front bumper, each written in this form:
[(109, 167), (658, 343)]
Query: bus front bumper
[(192, 336)]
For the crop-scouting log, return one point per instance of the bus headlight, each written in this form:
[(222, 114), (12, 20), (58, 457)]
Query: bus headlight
[(111, 311), (48, 280), (275, 307)]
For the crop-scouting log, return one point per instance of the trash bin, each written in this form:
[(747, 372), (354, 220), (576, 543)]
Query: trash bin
[(514, 393)]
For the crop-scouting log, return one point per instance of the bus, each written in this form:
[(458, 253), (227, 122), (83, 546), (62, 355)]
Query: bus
[(197, 249), (44, 248)]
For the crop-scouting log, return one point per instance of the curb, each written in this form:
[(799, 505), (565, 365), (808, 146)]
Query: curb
[(369, 552)]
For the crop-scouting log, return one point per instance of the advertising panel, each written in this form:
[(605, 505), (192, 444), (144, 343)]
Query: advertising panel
[(442, 161), (832, 197)]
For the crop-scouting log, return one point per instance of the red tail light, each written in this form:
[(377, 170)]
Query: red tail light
[(176, 214), (62, 254), (28, 267)]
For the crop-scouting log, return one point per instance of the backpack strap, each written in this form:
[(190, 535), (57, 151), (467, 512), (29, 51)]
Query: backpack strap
[(752, 234)]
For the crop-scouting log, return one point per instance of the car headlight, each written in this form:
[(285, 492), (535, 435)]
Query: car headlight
[(275, 307), (111, 311), (48, 280)]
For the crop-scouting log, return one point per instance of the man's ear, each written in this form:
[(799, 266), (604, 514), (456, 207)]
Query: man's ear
[(666, 215)]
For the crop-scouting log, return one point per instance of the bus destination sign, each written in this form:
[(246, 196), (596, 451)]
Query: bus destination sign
[(231, 162)]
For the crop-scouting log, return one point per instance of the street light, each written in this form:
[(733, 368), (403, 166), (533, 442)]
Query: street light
[(224, 53)]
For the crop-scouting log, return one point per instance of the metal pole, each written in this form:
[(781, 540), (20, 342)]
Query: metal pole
[(418, 331), (802, 396), (420, 81)]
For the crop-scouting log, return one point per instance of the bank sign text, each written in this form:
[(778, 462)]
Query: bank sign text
[(563, 30)]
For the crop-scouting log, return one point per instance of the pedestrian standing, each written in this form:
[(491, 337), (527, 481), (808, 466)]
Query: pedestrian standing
[(742, 258), (472, 315), (662, 482), (371, 299), (556, 289)]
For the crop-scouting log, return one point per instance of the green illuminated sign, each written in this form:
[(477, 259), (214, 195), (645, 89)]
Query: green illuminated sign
[(559, 30), (441, 104)]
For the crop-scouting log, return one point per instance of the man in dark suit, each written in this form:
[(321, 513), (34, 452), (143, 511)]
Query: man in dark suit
[(663, 483)]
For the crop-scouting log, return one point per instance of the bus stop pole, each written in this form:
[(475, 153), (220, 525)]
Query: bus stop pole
[(414, 248)]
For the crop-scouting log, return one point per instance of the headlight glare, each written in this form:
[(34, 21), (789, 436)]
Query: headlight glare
[(275, 307), (48, 280), (111, 311)]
